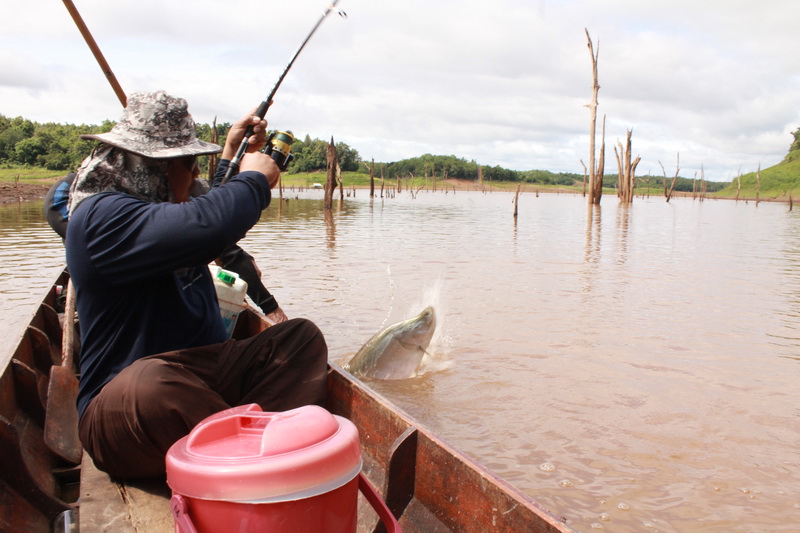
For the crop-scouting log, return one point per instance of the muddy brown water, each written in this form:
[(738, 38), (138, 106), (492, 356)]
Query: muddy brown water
[(632, 369)]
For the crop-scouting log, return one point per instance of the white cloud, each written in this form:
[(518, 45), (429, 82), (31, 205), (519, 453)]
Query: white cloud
[(504, 83)]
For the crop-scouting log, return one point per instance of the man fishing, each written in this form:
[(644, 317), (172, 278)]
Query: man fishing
[(233, 258), (154, 359)]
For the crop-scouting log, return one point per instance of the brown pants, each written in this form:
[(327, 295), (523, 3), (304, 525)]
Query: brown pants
[(129, 426)]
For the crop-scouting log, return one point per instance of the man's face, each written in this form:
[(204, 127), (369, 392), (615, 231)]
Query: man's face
[(181, 173)]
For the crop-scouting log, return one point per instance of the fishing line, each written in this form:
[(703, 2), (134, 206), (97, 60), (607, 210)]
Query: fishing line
[(233, 168)]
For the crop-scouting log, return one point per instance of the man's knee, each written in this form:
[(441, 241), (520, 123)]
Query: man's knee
[(153, 393), (310, 336), (151, 376), (139, 414), (156, 378)]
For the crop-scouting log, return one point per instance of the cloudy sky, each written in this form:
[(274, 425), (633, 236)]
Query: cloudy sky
[(501, 82)]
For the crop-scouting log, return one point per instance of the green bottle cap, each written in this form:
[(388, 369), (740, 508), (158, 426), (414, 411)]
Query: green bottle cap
[(226, 277)]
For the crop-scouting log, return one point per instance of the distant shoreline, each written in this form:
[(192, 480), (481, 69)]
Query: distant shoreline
[(27, 190)]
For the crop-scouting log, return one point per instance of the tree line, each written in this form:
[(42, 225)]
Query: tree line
[(59, 147), (443, 167), (50, 145)]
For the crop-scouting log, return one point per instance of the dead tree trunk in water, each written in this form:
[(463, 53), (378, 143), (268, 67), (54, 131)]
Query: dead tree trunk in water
[(330, 179), (516, 201), (758, 184), (595, 171), (738, 183), (372, 179), (622, 182), (703, 185), (627, 170), (668, 194), (585, 174), (597, 192), (339, 178)]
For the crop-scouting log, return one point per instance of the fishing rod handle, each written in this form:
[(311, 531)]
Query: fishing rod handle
[(233, 167), (261, 112)]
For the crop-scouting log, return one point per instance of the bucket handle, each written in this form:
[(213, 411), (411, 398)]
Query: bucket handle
[(184, 524), (377, 503), (180, 511)]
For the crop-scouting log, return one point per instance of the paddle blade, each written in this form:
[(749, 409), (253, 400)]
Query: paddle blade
[(61, 418)]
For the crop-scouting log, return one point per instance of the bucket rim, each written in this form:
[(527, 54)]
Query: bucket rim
[(323, 488)]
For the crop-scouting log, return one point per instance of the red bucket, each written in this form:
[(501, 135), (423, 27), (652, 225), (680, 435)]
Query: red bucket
[(245, 470)]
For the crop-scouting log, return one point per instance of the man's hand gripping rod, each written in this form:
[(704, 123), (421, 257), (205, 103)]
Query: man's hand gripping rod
[(233, 168)]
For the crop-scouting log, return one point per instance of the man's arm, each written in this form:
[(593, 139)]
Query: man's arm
[(55, 205), (129, 239)]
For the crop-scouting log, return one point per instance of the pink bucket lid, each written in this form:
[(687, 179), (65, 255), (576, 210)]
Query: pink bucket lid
[(244, 454)]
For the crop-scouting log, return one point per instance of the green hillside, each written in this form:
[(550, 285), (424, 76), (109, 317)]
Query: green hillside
[(777, 182)]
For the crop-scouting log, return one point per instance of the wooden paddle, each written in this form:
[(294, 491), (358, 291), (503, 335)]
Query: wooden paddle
[(61, 417), (98, 55)]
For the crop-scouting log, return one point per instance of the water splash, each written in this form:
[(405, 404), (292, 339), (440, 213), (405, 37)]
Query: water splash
[(435, 360), (392, 287)]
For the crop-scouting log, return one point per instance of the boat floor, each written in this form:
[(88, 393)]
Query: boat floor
[(135, 506)]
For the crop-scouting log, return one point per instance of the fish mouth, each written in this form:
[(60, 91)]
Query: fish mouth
[(428, 318), (422, 331), (428, 312)]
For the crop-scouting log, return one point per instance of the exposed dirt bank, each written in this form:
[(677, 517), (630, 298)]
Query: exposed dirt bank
[(22, 191)]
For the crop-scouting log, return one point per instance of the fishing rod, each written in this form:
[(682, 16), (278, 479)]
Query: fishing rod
[(233, 168), (98, 55)]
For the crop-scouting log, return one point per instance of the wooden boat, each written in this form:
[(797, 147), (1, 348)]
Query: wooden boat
[(428, 485)]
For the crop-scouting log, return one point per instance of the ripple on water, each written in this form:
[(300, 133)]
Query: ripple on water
[(533, 369)]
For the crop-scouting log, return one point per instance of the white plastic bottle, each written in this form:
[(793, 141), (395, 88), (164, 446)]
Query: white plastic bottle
[(231, 292)]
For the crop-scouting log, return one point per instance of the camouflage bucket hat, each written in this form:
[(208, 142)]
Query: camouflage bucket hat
[(158, 126)]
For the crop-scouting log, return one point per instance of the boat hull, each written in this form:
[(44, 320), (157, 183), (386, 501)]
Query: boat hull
[(428, 485)]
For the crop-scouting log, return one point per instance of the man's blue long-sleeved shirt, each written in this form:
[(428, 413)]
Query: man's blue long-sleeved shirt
[(141, 277)]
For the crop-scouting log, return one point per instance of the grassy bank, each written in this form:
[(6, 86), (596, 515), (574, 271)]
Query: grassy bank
[(359, 180), (29, 175), (777, 182)]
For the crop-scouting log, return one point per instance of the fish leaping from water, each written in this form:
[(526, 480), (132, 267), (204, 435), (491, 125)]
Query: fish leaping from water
[(395, 352)]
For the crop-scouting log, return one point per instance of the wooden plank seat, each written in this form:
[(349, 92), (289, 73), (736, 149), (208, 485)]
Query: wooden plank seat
[(137, 506)]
